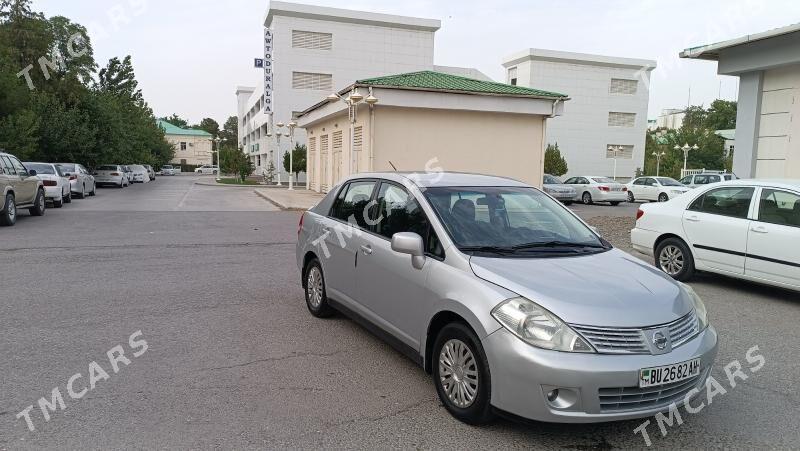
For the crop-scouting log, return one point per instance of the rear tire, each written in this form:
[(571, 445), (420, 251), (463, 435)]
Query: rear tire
[(316, 293), (674, 258), (631, 198), (58, 203), (568, 203), (587, 198), (93, 192), (38, 204), (461, 374), (68, 198), (9, 214)]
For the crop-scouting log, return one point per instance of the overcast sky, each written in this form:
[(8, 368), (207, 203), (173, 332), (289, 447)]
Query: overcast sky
[(189, 55)]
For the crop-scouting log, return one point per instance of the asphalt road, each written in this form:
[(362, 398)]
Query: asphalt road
[(234, 360)]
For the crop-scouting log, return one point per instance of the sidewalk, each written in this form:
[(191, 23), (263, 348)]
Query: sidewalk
[(299, 199)]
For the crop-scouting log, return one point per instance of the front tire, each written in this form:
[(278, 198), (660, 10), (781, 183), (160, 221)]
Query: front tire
[(587, 198), (93, 192), (614, 204), (58, 203), (568, 203), (674, 258), (9, 215), (461, 374), (38, 204), (631, 198), (663, 197), (316, 294)]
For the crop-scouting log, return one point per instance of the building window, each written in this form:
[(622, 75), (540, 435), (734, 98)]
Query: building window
[(183, 146), (512, 76), (311, 40), (312, 81), (623, 86), (617, 119), (625, 153), (258, 160)]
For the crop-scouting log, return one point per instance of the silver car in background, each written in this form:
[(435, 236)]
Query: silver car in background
[(150, 172), (111, 174), (167, 169), (140, 174), (555, 187), (80, 180), (56, 184), (505, 296)]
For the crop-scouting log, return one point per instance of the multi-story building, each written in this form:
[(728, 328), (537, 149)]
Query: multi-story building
[(317, 50), (606, 118), (671, 118), (192, 147)]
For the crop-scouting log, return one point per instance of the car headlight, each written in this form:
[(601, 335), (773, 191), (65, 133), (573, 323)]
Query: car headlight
[(538, 327), (699, 307), (677, 192)]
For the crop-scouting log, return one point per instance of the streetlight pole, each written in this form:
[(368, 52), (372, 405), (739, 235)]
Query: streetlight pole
[(291, 125), (218, 140), (686, 148), (658, 156), (278, 134), (614, 151), (351, 101)]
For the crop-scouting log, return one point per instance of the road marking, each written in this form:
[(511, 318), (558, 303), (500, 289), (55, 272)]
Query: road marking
[(185, 195)]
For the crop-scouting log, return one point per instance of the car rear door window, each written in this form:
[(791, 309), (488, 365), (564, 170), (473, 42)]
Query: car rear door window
[(731, 201), (779, 207), (8, 168), (352, 203)]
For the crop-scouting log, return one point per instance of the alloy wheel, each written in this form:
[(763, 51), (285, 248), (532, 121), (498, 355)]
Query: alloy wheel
[(458, 373), (314, 287), (671, 260), (12, 210), (663, 197)]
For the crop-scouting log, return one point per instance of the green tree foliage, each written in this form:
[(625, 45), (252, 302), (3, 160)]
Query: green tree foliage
[(176, 121), (230, 132), (298, 159), (234, 161), (554, 163), (209, 125), (65, 115)]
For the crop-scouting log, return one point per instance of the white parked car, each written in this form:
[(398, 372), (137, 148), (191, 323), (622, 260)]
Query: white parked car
[(748, 229), (81, 182), (207, 169), (693, 181), (140, 174), (591, 189), (111, 174), (659, 189), (167, 169), (56, 185)]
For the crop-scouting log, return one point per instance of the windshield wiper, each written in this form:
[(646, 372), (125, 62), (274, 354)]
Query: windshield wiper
[(545, 244), (491, 249)]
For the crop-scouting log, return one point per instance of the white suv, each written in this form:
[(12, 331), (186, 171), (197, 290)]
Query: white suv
[(207, 169)]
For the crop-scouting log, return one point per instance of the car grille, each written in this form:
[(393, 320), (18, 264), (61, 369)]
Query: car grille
[(632, 398), (611, 340)]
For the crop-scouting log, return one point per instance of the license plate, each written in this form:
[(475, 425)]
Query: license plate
[(668, 374)]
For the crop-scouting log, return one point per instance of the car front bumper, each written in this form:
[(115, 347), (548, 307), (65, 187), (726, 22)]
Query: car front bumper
[(522, 375)]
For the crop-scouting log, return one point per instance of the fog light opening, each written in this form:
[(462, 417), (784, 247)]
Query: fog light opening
[(562, 398)]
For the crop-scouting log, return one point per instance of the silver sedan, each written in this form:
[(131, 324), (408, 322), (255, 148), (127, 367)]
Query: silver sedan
[(509, 300)]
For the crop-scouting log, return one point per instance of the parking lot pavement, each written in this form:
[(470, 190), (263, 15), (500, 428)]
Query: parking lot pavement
[(624, 209), (234, 360)]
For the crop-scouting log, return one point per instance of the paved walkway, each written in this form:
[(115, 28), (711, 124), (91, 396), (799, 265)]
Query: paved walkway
[(298, 199)]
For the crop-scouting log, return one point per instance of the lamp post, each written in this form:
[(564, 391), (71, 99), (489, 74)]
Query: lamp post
[(615, 151), (686, 148), (278, 134), (290, 126), (219, 141), (351, 101), (658, 156)]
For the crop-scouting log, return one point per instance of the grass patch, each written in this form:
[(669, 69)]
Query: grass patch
[(232, 181)]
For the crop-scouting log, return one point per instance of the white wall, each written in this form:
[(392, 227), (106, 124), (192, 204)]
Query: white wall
[(583, 133)]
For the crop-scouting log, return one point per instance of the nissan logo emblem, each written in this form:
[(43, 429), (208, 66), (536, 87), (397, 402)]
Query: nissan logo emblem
[(660, 340)]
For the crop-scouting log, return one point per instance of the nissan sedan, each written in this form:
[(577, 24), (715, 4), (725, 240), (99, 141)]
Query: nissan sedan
[(508, 299)]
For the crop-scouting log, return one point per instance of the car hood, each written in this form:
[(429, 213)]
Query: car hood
[(611, 289)]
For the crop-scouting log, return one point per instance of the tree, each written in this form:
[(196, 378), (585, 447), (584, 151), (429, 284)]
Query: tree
[(234, 161), (118, 78), (230, 131), (209, 125), (298, 159), (721, 115), (554, 163)]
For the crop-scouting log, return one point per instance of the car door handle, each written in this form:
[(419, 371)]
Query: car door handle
[(693, 218), (366, 249), (759, 229)]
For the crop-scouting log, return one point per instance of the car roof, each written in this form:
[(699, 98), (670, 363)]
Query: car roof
[(775, 183), (447, 178)]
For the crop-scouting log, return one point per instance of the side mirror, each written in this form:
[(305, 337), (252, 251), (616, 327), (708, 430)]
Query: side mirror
[(32, 173), (410, 243)]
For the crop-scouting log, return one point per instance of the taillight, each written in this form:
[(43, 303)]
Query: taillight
[(73, 177), (604, 188), (300, 226), (624, 189), (639, 213), (115, 174), (49, 183)]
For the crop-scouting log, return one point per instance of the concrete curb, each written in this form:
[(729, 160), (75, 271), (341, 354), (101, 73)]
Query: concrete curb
[(276, 203), (222, 185)]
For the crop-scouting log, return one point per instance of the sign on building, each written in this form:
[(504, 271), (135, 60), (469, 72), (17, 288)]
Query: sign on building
[(259, 63), (268, 74)]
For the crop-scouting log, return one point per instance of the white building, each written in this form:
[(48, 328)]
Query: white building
[(608, 106), (768, 67), (671, 118), (318, 50)]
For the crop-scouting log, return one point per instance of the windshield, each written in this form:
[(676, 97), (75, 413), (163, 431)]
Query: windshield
[(41, 168), (67, 167), (552, 180), (603, 180), (166, 166), (107, 168), (666, 181), (509, 220)]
